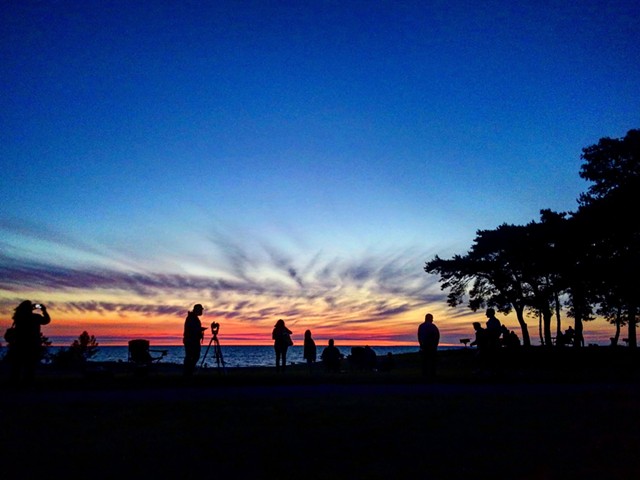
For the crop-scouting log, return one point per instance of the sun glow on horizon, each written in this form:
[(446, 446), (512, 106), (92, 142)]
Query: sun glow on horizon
[(116, 329)]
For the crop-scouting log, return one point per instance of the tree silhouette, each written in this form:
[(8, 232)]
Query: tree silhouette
[(81, 350), (588, 259), (491, 274), (610, 207)]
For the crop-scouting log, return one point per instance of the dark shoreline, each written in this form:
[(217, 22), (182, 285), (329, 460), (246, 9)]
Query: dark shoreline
[(597, 365), (538, 420)]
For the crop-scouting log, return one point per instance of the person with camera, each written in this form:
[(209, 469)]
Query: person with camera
[(281, 337), (25, 345), (192, 339)]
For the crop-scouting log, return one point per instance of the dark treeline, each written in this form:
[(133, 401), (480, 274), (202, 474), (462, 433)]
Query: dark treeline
[(585, 263)]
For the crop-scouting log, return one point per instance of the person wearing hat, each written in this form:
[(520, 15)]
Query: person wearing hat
[(192, 339)]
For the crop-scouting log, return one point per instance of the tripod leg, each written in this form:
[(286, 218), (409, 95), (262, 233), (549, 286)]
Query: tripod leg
[(205, 353), (219, 357)]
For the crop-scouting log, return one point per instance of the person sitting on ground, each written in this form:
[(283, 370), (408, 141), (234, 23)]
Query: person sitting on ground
[(513, 340), (481, 340), (331, 357), (569, 336), (387, 363), (363, 358), (371, 359)]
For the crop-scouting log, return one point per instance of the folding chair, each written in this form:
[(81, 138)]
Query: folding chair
[(139, 355)]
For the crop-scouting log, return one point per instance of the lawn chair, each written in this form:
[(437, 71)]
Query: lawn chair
[(140, 355)]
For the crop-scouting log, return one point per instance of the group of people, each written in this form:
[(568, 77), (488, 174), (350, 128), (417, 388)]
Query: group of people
[(193, 335), (494, 335), (24, 338), (281, 337), (428, 338)]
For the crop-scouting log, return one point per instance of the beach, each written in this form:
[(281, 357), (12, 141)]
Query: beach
[(252, 423)]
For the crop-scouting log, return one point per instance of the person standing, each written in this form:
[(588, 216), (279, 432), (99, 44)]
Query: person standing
[(25, 349), (494, 328), (192, 339), (492, 342), (281, 336), (309, 352), (428, 338)]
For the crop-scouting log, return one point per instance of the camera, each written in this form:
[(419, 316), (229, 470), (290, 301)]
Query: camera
[(215, 326), (37, 306)]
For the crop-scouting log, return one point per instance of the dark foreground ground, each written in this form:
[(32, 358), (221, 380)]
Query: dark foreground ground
[(545, 415)]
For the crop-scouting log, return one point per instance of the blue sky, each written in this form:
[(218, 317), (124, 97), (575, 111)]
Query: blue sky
[(295, 150)]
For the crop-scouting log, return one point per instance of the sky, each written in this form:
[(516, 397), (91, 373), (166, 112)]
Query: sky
[(289, 159)]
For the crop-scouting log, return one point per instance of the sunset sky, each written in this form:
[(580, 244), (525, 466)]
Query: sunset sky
[(289, 159)]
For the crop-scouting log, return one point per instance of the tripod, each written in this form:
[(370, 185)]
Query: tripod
[(216, 348)]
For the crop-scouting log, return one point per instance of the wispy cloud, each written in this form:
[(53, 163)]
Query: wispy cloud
[(333, 281), (254, 281)]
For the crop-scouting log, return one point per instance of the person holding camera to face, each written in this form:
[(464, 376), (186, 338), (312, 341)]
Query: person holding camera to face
[(25, 344), (281, 337), (192, 339)]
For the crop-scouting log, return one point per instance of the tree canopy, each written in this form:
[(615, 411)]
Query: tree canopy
[(586, 260)]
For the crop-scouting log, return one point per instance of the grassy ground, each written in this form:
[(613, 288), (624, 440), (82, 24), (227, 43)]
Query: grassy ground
[(547, 415)]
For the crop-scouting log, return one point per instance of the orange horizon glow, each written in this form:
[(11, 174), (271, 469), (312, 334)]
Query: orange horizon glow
[(356, 316), (117, 330)]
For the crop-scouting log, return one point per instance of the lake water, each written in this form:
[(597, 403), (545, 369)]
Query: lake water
[(234, 356)]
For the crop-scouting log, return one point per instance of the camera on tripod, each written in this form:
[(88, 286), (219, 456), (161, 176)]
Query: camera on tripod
[(215, 326)]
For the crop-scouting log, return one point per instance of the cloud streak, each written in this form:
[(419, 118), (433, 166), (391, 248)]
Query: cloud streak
[(335, 282), (243, 282)]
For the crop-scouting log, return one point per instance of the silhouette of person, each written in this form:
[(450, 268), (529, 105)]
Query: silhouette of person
[(481, 337), (192, 339), (494, 329), (25, 350), (428, 338), (504, 333), (513, 340), (281, 336), (331, 357), (387, 363), (309, 351), (569, 336), (370, 358), (481, 344)]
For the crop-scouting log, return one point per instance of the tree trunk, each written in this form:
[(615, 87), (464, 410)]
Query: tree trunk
[(616, 338), (540, 328), (526, 340), (578, 340), (633, 310), (558, 319), (547, 315)]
